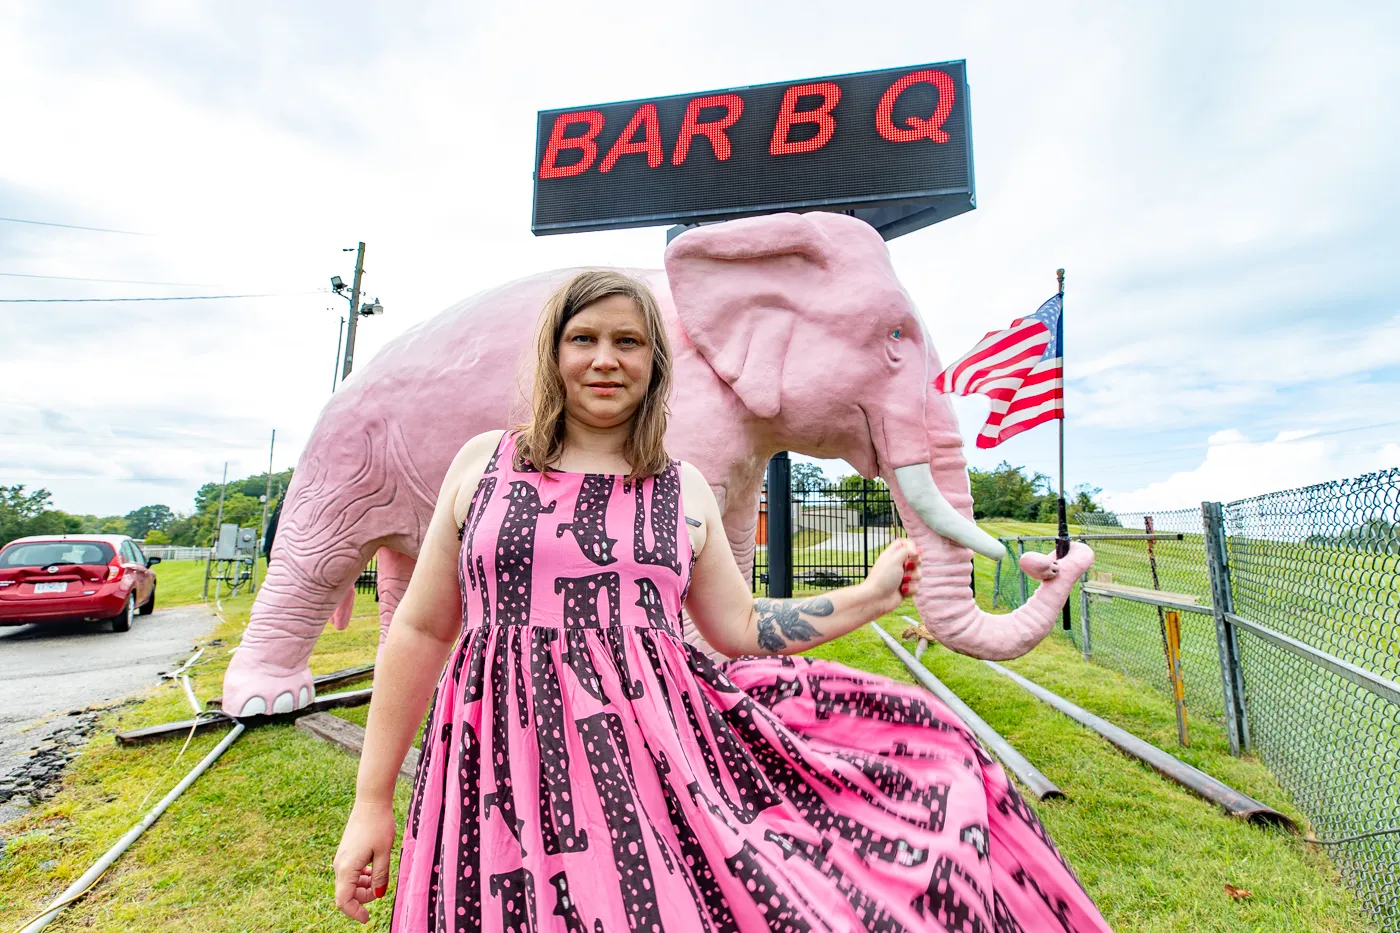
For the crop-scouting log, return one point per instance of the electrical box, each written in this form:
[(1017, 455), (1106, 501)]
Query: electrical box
[(247, 544), (226, 547)]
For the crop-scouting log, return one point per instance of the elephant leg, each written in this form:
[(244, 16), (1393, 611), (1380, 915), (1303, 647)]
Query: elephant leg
[(395, 570), (340, 619), (269, 673)]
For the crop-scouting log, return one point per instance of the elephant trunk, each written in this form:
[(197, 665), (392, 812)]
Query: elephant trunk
[(935, 502)]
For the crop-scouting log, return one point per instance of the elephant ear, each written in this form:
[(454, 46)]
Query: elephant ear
[(739, 288)]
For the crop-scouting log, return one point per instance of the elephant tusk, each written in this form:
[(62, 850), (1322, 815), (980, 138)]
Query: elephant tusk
[(921, 492)]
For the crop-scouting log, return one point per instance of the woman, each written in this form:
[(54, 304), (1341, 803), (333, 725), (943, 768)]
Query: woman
[(585, 770)]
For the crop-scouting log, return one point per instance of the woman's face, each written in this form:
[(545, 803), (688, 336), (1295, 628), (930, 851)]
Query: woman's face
[(605, 361)]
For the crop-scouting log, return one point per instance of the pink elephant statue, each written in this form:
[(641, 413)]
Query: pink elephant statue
[(791, 332)]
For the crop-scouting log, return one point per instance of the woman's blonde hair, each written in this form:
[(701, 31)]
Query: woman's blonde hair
[(541, 441)]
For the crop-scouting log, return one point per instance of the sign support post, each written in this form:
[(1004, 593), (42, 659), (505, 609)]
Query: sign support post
[(780, 526)]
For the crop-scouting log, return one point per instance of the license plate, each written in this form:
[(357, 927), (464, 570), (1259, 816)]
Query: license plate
[(50, 587)]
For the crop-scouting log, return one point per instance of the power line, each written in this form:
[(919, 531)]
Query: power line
[(45, 223), (17, 301), (80, 278), (82, 444)]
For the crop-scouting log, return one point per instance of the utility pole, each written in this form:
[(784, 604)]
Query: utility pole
[(267, 500), (335, 369), (209, 560), (354, 312)]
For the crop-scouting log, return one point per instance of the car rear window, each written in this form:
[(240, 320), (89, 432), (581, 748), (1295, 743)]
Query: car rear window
[(44, 553)]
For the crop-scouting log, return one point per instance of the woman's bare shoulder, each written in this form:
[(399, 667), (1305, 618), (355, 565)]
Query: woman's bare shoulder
[(694, 484), (476, 451), (689, 472), (467, 467)]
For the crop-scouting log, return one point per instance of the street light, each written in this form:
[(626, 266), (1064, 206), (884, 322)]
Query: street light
[(337, 284), (368, 308)]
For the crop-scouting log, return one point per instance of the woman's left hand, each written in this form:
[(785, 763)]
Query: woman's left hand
[(895, 574)]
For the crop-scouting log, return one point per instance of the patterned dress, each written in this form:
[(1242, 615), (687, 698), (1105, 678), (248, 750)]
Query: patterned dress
[(584, 770)]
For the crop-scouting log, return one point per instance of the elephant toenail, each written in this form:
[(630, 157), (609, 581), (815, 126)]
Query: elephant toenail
[(254, 707), (283, 703), (301, 697)]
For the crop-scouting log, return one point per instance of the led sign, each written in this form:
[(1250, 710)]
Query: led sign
[(893, 146)]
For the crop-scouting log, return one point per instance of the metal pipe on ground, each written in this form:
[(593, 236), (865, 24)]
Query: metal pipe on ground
[(1241, 806), (77, 888), (1155, 536), (1014, 761)]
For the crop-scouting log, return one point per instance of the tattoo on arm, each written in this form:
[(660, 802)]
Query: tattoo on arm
[(780, 620)]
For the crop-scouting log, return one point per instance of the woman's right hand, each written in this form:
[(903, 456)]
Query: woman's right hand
[(362, 861)]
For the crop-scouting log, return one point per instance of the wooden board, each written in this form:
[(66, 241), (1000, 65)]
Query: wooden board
[(220, 719), (1103, 588), (351, 738)]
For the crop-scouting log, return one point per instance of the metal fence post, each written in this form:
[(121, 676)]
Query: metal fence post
[(1085, 643), (996, 580), (780, 526), (1025, 593), (1222, 603)]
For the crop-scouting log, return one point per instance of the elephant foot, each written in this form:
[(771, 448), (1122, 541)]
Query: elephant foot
[(253, 687), (1045, 567)]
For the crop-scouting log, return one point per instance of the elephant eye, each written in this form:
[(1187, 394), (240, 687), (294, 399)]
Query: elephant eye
[(894, 334)]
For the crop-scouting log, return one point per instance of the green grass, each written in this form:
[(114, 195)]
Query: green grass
[(1153, 856), (180, 582), (249, 846)]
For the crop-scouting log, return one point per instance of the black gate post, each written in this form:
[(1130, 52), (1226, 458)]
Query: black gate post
[(780, 526), (865, 526)]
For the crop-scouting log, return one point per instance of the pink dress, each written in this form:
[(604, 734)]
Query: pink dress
[(584, 770)]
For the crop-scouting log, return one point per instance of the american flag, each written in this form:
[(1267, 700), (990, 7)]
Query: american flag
[(1021, 369)]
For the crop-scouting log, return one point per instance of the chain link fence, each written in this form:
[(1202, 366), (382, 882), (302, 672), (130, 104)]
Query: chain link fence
[(1281, 616), (1321, 565)]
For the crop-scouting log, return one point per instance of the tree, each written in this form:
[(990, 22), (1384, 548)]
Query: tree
[(1083, 502), (183, 531), (23, 514), (808, 477), (112, 525), (869, 496), (1007, 492), (29, 513), (156, 536), (148, 517), (1012, 492), (242, 507), (18, 508)]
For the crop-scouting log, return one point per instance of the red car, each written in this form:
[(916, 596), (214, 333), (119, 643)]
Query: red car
[(75, 578)]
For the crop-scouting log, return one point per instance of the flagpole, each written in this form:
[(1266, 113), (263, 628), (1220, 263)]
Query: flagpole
[(1062, 538)]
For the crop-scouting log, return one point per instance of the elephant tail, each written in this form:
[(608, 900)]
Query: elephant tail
[(341, 617)]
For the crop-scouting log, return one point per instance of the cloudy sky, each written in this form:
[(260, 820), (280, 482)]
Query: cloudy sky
[(1219, 179)]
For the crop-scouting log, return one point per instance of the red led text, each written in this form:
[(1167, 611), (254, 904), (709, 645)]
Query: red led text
[(713, 129), (917, 127), (558, 142), (812, 104), (650, 143), (789, 116)]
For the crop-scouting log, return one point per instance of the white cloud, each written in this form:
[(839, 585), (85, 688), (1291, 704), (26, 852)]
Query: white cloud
[(1236, 468), (1225, 213)]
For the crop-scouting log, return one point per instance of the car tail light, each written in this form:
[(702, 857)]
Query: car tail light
[(113, 573)]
